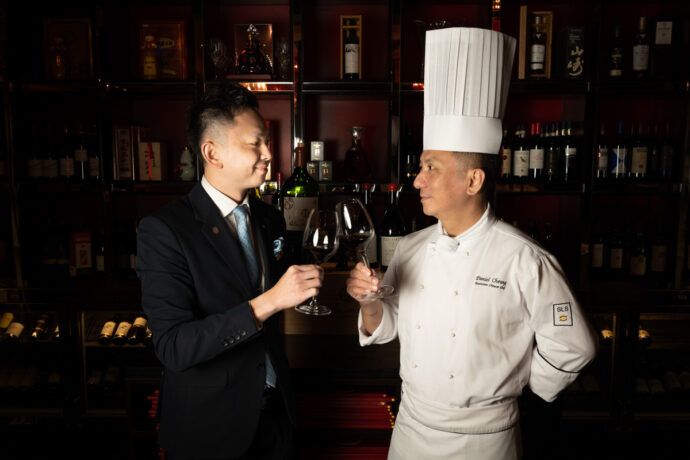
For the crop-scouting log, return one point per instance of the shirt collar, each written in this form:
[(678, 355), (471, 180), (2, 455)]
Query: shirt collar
[(224, 203), (478, 229)]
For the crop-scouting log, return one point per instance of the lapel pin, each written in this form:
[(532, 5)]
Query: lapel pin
[(215, 230)]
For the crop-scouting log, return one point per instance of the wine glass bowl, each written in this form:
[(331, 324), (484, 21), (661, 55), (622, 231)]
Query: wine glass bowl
[(321, 238), (357, 231)]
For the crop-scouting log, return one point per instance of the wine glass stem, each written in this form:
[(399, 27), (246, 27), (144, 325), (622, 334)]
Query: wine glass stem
[(312, 303), (363, 255)]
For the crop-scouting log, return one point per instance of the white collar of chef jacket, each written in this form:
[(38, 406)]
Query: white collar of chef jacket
[(444, 241)]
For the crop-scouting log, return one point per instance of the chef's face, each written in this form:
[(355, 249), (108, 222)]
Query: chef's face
[(442, 184)]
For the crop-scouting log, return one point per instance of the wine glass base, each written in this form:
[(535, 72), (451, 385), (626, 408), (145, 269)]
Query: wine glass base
[(380, 293), (314, 310)]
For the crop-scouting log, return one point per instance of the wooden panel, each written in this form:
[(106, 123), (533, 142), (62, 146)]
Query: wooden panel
[(339, 352)]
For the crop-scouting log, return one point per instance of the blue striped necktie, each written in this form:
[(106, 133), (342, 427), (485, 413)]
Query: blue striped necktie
[(241, 217)]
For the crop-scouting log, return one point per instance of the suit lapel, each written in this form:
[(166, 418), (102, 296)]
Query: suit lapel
[(216, 231), (262, 238)]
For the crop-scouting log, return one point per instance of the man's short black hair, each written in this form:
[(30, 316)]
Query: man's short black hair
[(486, 162), (220, 103)]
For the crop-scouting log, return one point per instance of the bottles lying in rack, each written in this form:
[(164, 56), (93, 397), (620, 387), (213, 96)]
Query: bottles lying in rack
[(24, 327), (547, 154), (119, 331), (646, 155)]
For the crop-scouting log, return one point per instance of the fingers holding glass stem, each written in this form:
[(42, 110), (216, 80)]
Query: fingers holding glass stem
[(381, 290)]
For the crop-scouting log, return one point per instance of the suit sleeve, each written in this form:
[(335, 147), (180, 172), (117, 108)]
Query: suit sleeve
[(564, 341), (180, 337)]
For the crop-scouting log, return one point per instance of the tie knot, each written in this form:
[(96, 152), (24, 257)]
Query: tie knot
[(240, 211)]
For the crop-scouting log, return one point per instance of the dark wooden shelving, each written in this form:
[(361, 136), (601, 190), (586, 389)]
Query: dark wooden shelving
[(347, 87)]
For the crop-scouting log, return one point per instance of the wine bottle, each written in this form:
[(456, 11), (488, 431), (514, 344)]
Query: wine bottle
[(641, 51), (619, 155), (14, 330), (276, 199), (94, 157), (138, 331), (506, 157), (81, 155), (107, 331), (638, 255), (300, 195), (536, 153), (659, 262), (553, 148), (640, 152), (5, 321), (520, 156), (606, 335), (667, 155), (616, 53), (598, 250), (66, 161), (616, 254), (602, 161), (121, 333), (99, 253), (569, 153), (654, 149), (41, 327), (351, 54), (644, 339), (372, 249), (392, 227)]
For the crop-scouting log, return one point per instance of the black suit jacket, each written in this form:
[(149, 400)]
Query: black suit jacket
[(195, 292)]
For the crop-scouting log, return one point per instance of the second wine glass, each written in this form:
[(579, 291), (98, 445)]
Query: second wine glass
[(321, 238), (357, 230)]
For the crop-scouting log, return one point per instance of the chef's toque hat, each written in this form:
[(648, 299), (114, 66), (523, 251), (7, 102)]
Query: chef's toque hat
[(466, 82)]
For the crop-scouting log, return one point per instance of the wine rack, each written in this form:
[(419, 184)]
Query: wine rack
[(308, 102)]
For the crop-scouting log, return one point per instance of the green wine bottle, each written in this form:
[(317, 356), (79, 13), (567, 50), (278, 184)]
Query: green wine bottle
[(300, 195)]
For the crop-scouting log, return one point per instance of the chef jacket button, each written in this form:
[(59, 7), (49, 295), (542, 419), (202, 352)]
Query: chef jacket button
[(226, 343), (450, 376), (237, 337), (455, 293), (419, 326), (452, 333), (421, 286), (232, 340), (468, 253), (414, 366)]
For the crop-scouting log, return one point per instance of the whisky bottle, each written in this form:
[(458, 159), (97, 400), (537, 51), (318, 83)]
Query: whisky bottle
[(537, 55), (641, 50), (351, 55), (616, 54)]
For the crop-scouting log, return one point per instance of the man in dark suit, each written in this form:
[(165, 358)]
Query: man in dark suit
[(213, 278)]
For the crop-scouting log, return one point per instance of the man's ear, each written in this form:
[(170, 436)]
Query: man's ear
[(211, 153), (475, 180)]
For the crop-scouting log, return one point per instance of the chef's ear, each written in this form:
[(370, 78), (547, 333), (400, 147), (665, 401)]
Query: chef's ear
[(475, 178)]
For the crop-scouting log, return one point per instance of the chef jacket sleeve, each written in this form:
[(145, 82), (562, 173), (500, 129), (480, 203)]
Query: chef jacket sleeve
[(387, 331), (564, 341)]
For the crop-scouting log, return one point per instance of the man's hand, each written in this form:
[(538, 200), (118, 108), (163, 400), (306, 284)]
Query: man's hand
[(362, 281), (297, 284)]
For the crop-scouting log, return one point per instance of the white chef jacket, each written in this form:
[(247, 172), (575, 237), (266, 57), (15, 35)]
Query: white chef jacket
[(478, 317)]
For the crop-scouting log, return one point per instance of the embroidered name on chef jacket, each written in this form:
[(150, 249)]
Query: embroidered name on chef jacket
[(491, 282), (562, 314)]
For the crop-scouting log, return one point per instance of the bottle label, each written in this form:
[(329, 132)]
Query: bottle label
[(388, 245), (372, 251), (603, 159), (100, 263), (352, 58), (108, 328), (597, 255), (15, 329), (639, 160), (616, 62), (537, 57), (616, 258), (140, 322), (296, 211), (34, 168), (507, 161), (640, 57), (94, 167), (6, 319), (66, 167), (570, 153), (618, 156), (80, 155), (659, 257), (607, 334), (521, 163), (536, 159), (50, 168), (638, 265), (123, 328)]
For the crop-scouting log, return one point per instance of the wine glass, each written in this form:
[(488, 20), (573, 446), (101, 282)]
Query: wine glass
[(357, 231), (321, 237)]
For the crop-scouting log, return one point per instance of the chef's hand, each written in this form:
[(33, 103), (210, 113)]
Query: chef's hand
[(361, 282)]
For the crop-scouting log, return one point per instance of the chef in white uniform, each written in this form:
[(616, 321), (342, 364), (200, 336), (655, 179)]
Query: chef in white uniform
[(480, 309)]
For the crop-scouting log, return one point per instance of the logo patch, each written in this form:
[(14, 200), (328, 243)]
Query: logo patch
[(562, 314)]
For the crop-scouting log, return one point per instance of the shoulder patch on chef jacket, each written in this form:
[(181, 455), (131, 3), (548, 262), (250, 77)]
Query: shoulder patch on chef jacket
[(562, 314)]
